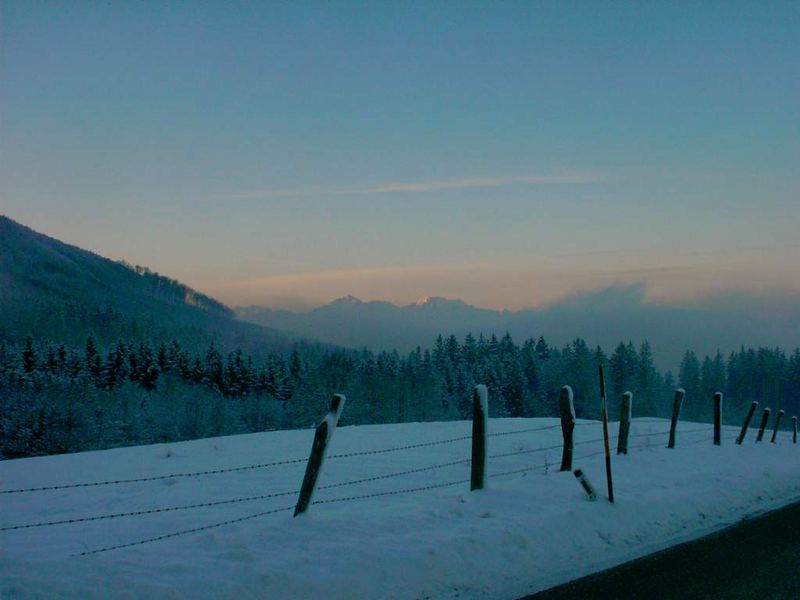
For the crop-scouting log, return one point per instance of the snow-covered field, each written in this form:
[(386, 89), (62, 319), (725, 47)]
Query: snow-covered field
[(527, 531)]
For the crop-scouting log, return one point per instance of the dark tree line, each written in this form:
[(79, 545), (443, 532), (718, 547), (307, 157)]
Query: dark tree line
[(60, 398)]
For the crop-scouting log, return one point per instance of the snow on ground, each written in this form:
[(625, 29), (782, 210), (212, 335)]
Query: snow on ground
[(525, 532)]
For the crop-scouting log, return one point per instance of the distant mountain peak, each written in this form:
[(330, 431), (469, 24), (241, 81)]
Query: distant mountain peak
[(438, 302), (347, 300)]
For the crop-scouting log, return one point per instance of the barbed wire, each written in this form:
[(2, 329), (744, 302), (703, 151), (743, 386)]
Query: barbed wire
[(225, 470), (230, 501), (399, 448), (677, 431), (186, 531), (345, 498), (149, 511), (526, 451), (267, 464), (268, 512), (528, 430), (515, 471), (272, 495), (392, 492), (396, 474), (577, 457), (154, 478)]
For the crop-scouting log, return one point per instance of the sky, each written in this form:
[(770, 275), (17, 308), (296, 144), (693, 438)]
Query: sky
[(508, 154)]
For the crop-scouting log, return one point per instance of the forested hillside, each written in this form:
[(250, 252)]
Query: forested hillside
[(56, 291), (61, 398)]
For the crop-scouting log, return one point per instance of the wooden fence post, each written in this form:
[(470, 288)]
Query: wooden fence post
[(718, 419), (567, 426), (777, 424), (676, 412), (604, 419), (625, 411), (794, 430), (764, 419), (581, 477), (480, 417), (747, 420), (322, 437)]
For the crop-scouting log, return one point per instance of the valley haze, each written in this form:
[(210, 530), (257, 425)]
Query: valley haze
[(605, 317)]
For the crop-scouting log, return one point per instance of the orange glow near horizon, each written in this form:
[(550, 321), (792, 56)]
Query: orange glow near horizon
[(503, 288)]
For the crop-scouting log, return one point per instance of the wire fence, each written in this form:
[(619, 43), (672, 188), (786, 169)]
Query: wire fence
[(328, 486), (385, 493), (266, 465), (539, 466)]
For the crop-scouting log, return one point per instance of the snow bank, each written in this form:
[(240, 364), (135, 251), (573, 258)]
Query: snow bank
[(525, 532)]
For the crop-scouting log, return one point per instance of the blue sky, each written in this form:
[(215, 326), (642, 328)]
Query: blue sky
[(505, 153)]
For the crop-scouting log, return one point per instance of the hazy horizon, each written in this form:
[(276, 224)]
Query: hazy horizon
[(286, 156)]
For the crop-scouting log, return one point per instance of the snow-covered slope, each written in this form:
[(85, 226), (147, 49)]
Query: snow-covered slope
[(528, 530)]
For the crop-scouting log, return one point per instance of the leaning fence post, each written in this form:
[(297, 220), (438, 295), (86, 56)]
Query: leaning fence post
[(764, 419), (747, 420), (480, 417), (587, 487), (322, 438), (676, 412), (625, 409), (567, 426), (777, 424), (794, 430), (718, 419)]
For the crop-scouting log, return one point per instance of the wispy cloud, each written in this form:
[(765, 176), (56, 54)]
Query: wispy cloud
[(422, 187)]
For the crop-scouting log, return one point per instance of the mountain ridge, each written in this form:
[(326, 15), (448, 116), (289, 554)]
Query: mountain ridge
[(606, 317), (56, 290)]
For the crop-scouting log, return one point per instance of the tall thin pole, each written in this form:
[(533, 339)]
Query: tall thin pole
[(604, 413), (480, 417)]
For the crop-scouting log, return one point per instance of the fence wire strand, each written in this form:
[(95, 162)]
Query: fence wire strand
[(396, 474), (400, 448), (186, 531), (392, 492), (528, 430), (155, 477), (149, 511)]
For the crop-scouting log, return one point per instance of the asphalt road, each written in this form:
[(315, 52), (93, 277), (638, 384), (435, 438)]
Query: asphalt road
[(759, 558)]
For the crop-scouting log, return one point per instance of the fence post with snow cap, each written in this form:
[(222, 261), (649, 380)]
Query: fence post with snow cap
[(718, 419), (676, 412), (764, 420), (322, 437), (625, 409), (747, 420), (567, 408), (794, 430), (777, 424), (480, 418)]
